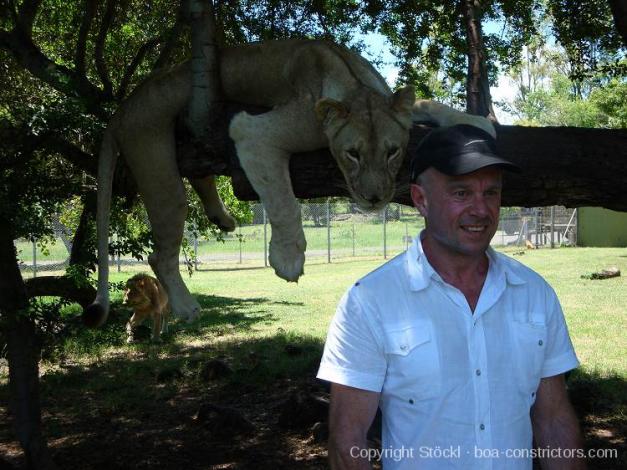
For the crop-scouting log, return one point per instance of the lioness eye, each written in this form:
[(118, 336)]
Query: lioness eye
[(353, 154)]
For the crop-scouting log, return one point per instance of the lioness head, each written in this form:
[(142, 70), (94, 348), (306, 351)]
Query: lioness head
[(368, 136)]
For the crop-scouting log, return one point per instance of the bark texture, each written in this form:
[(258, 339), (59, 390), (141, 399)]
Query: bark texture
[(478, 97), (619, 12), (60, 286), (23, 348), (567, 166)]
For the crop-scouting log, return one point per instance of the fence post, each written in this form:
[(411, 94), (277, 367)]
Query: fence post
[(265, 237), (195, 251), (328, 230), (552, 226), (34, 257), (239, 229), (117, 238), (385, 238), (353, 239)]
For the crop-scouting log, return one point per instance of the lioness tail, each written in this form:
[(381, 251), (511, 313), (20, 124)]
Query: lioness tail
[(96, 313)]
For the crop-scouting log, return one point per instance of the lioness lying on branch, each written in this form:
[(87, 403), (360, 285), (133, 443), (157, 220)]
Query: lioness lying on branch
[(321, 95)]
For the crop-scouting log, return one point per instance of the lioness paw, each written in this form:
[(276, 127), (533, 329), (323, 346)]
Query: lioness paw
[(224, 222), (287, 260)]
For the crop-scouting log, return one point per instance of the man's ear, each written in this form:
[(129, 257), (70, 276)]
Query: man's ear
[(418, 198), (329, 110)]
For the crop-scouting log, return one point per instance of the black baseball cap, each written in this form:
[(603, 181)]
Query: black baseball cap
[(457, 150)]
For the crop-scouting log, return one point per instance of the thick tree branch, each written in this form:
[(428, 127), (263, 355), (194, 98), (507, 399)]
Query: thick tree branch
[(171, 38), (57, 76), (27, 14), (130, 70), (88, 17), (567, 166), (83, 160), (60, 286), (101, 65)]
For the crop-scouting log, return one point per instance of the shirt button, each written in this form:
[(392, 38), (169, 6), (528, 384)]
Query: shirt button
[(482, 427), (540, 343), (533, 394), (478, 372), (403, 347)]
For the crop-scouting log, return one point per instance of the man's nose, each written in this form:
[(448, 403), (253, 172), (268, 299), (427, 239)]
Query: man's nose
[(479, 206)]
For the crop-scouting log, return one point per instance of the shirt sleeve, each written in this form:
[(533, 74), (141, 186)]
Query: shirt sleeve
[(560, 354), (353, 355)]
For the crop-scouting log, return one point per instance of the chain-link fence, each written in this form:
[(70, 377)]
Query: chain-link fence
[(333, 230)]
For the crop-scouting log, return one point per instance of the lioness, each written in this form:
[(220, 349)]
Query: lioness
[(321, 95), (148, 299)]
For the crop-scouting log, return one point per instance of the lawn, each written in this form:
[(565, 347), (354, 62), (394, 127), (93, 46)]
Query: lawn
[(98, 392)]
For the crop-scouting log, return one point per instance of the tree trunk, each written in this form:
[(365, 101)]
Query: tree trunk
[(205, 114), (83, 243), (23, 355), (619, 12), (567, 166), (478, 98)]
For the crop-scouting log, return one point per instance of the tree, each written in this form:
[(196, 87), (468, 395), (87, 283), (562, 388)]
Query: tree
[(63, 72)]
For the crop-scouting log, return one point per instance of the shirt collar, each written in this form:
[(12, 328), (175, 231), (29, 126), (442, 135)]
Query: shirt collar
[(421, 272)]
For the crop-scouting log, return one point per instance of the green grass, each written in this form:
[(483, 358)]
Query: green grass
[(357, 230), (248, 304), (250, 320)]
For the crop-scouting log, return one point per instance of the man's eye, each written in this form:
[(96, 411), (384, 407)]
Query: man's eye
[(460, 193), (353, 154)]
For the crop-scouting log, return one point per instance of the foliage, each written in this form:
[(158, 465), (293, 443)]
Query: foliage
[(586, 31), (64, 69), (546, 95)]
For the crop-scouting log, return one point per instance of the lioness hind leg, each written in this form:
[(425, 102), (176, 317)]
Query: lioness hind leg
[(153, 163), (214, 207), (442, 115)]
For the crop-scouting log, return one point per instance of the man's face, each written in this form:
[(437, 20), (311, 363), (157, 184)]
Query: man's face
[(461, 212)]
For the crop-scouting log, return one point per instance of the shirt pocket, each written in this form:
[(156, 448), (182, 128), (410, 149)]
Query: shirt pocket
[(413, 366), (529, 339)]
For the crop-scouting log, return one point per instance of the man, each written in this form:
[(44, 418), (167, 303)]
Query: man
[(462, 348)]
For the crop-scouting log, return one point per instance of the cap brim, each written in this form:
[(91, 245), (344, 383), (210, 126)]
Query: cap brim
[(473, 161)]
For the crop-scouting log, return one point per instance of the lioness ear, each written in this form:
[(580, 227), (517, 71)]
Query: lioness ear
[(328, 109), (403, 99)]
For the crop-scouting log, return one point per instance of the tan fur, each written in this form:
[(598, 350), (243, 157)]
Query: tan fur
[(321, 95), (148, 299)]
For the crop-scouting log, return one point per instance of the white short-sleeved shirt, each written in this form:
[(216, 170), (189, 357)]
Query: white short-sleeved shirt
[(456, 387)]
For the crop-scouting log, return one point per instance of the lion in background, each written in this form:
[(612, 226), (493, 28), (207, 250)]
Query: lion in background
[(148, 299), (320, 95)]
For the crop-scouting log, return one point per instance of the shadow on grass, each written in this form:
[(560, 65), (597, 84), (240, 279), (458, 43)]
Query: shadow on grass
[(600, 402), (138, 410)]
